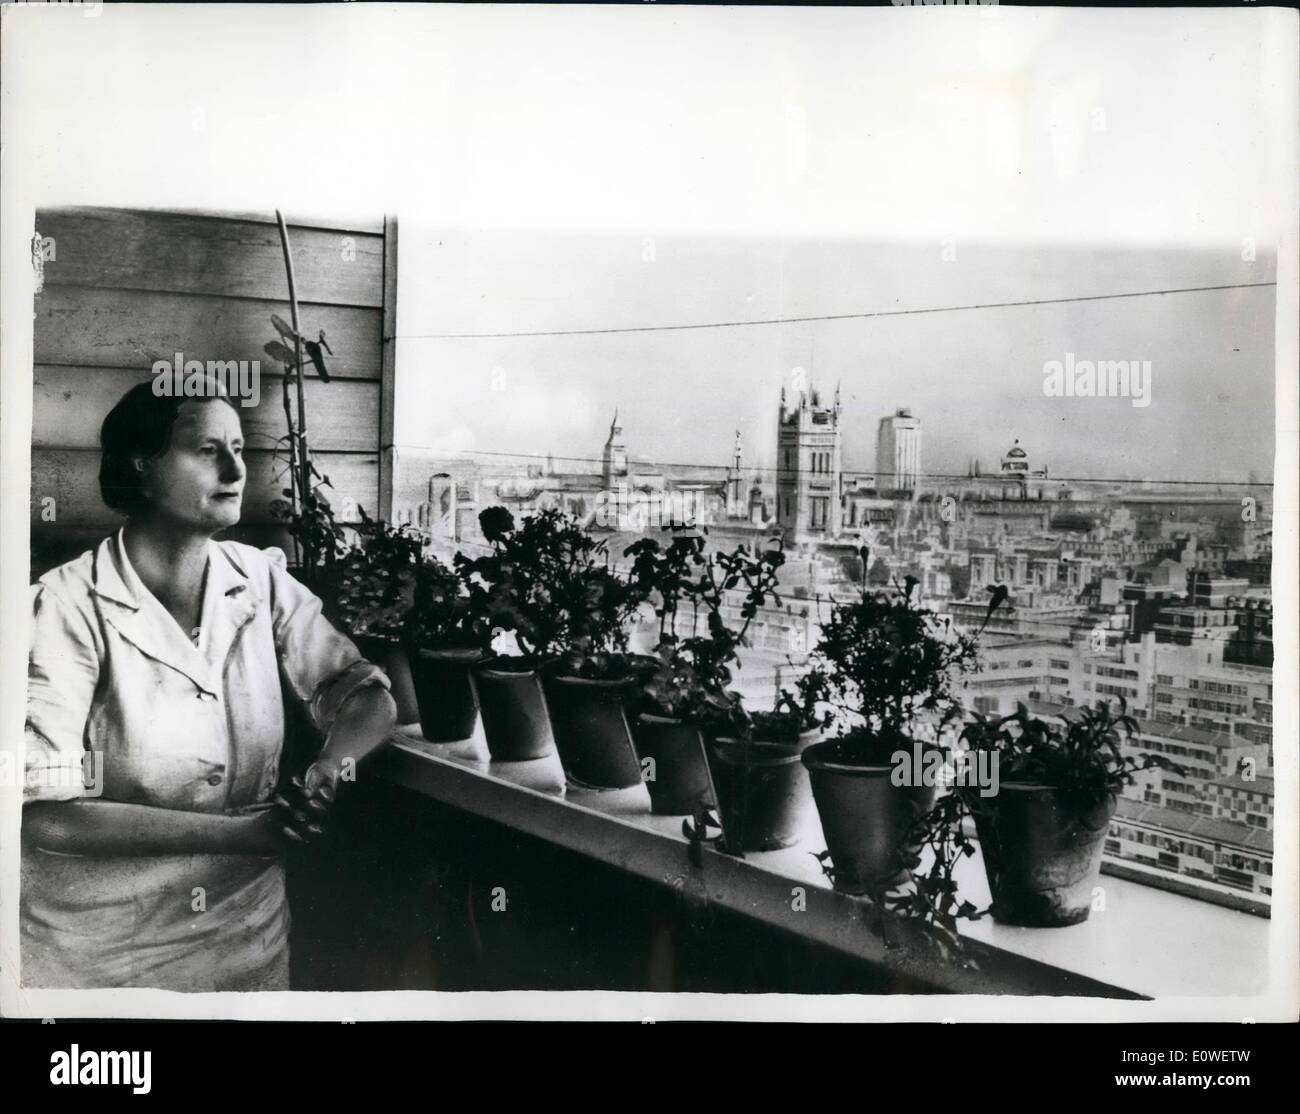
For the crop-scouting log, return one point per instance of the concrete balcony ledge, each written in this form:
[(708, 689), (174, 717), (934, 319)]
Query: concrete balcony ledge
[(1144, 942)]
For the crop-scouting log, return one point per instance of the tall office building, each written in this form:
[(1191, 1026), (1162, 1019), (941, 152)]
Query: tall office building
[(898, 452)]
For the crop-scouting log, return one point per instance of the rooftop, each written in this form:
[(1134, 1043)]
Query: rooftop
[(1198, 827), (1188, 734), (1260, 783), (1150, 729)]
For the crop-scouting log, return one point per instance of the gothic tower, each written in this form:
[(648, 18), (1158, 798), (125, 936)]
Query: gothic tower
[(808, 467)]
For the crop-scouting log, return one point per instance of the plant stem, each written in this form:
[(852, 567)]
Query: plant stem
[(293, 465), (304, 460)]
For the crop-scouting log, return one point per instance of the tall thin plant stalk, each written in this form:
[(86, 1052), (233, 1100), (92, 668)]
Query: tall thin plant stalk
[(299, 458)]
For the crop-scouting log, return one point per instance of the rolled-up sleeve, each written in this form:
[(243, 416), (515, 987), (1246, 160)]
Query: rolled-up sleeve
[(62, 672), (322, 666)]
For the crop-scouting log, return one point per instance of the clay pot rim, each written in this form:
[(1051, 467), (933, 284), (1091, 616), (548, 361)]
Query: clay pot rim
[(738, 741), (738, 758), (592, 682), (654, 717), (759, 751), (485, 665), (1030, 786), (451, 653), (842, 768), (796, 741), (814, 761)]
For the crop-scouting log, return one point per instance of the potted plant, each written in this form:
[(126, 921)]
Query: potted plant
[(553, 586), (686, 695), (446, 640), (365, 584), (890, 665), (795, 722), (1043, 832), (594, 682), (367, 590), (763, 791), (507, 596)]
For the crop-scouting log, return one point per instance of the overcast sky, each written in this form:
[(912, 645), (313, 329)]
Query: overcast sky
[(629, 166)]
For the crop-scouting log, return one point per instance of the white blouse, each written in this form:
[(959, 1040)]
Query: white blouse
[(122, 704)]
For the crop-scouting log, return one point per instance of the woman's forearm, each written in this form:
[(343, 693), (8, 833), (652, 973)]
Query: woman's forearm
[(361, 726), (102, 828)]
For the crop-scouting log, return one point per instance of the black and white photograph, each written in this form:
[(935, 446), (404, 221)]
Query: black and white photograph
[(703, 512)]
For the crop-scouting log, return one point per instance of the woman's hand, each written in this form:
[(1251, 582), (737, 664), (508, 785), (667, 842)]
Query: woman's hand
[(321, 781), (260, 831), (303, 808)]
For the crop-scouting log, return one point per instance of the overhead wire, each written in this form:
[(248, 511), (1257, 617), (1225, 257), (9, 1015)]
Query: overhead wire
[(822, 317)]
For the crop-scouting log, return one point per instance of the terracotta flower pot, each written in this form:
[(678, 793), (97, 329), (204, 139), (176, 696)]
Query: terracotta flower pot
[(678, 774), (445, 694), (1042, 853), (392, 658), (589, 720), (763, 793), (516, 723), (865, 817)]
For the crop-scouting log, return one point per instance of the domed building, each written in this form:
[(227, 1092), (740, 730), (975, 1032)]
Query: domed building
[(1016, 475), (1015, 460)]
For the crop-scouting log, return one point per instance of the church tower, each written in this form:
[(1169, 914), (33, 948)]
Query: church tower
[(614, 462), (735, 498), (808, 467)]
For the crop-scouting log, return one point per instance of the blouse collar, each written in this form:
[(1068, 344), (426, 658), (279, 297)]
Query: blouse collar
[(229, 601)]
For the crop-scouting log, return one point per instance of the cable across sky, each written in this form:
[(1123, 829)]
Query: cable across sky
[(829, 316)]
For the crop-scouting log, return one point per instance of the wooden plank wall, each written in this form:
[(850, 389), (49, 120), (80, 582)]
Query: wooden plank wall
[(128, 287)]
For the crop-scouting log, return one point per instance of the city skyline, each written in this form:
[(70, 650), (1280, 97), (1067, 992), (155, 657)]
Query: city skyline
[(761, 465), (975, 377)]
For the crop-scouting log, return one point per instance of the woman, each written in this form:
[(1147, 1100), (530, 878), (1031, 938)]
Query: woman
[(156, 666)]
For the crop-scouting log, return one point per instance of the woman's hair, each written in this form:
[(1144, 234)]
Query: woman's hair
[(140, 426)]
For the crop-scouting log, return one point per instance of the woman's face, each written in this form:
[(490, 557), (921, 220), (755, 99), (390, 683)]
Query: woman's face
[(198, 483)]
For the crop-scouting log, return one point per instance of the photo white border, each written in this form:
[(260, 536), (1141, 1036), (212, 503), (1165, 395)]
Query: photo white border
[(18, 203)]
